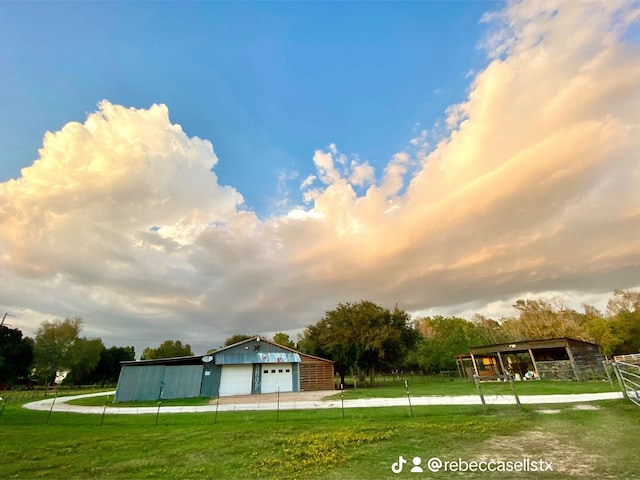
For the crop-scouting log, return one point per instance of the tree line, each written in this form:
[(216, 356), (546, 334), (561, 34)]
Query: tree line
[(362, 338), (58, 347)]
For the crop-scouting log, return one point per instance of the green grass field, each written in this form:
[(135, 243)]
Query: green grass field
[(599, 442), (462, 387)]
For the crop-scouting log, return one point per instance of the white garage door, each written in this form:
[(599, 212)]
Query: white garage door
[(277, 377), (235, 380)]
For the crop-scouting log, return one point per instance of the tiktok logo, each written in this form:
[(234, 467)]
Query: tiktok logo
[(397, 466)]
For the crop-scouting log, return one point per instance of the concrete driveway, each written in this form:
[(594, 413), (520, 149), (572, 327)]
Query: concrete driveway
[(311, 400)]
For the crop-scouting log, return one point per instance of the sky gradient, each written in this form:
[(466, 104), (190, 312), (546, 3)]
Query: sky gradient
[(242, 167)]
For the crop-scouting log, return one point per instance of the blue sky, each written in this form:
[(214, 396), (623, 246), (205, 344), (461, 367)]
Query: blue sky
[(195, 170), (268, 82)]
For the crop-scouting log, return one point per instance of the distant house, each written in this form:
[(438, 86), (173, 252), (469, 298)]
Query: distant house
[(552, 359), (251, 366)]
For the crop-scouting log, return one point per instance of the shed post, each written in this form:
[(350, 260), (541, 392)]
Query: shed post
[(572, 360), (535, 365), (475, 367), (501, 363), (484, 404), (458, 365)]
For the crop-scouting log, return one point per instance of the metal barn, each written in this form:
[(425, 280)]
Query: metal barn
[(252, 366)]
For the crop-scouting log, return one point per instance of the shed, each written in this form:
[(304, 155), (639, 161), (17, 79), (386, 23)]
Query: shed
[(251, 366), (315, 373), (553, 359)]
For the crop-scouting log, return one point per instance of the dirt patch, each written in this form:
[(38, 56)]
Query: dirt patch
[(536, 444), (586, 407), (549, 411), (273, 398)]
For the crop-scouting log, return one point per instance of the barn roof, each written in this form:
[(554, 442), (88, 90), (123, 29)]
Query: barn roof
[(225, 355), (524, 345)]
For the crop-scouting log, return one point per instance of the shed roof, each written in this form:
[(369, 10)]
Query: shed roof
[(190, 360), (525, 345)]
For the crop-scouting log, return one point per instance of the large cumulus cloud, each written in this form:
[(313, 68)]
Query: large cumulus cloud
[(533, 188)]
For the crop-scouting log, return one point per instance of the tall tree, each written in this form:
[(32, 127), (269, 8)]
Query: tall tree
[(489, 331), (445, 337), (53, 347), (362, 335), (108, 368), (623, 312), (168, 349), (284, 340), (84, 356), (16, 356), (238, 337)]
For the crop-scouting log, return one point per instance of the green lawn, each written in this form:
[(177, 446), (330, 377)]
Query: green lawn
[(596, 443)]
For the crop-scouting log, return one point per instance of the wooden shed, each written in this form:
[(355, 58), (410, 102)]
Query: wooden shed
[(551, 359), (315, 373)]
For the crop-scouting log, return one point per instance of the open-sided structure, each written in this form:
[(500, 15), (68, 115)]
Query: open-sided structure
[(552, 359), (252, 366)]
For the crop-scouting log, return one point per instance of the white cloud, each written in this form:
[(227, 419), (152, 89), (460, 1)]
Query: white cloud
[(361, 174), (532, 190)]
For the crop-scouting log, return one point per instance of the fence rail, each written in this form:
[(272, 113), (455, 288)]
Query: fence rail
[(629, 377)]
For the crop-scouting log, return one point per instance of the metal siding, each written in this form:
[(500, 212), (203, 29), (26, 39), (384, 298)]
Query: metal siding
[(125, 390), (149, 382), (216, 375), (296, 376), (139, 383), (207, 380), (256, 382), (182, 381)]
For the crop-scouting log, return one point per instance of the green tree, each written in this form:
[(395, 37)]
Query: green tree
[(361, 335), (84, 358), (623, 312), (445, 337), (323, 339), (16, 356), (168, 349), (284, 340), (108, 368), (489, 331), (53, 347), (237, 338)]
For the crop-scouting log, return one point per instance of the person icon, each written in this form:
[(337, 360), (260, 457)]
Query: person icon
[(416, 465)]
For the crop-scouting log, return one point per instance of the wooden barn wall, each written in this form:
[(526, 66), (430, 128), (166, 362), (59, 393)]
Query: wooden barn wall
[(315, 375), (588, 359)]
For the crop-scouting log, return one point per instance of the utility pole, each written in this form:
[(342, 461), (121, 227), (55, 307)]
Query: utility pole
[(6, 314)]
